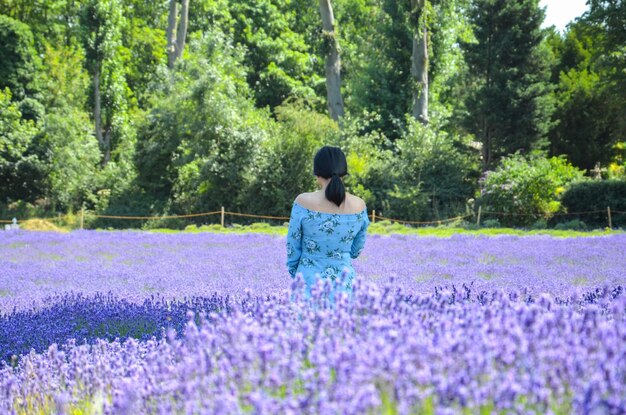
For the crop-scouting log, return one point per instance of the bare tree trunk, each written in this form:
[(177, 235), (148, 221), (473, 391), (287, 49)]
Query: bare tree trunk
[(419, 69), (171, 34), (182, 29), (102, 135), (97, 111), (333, 63)]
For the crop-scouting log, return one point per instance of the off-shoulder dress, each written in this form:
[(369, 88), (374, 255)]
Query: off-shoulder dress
[(322, 244)]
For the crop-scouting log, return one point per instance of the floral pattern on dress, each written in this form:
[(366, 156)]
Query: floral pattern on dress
[(311, 246), (335, 254), (322, 245), (330, 272), (312, 215), (328, 226), (297, 235), (306, 262), (349, 237)]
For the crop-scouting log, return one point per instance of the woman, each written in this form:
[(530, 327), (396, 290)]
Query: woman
[(327, 228)]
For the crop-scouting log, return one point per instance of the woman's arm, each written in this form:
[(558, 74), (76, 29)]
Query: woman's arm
[(294, 241), (359, 240)]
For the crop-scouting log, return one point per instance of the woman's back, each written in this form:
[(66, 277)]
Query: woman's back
[(323, 242), (327, 228)]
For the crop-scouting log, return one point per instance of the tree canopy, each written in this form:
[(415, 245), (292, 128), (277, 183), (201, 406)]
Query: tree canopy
[(178, 106)]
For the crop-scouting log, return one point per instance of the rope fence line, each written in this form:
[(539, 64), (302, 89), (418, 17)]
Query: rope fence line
[(191, 215), (249, 215), (414, 222), (373, 216), (555, 214)]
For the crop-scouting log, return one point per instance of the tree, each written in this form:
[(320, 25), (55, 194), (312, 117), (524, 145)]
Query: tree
[(408, 55), (280, 63), (584, 119), (22, 163), (176, 37), (333, 63), (509, 104), (419, 61), (19, 62), (101, 21), (197, 144), (52, 20), (609, 16), (74, 156)]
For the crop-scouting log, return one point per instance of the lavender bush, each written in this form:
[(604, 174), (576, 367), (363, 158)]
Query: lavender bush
[(466, 324)]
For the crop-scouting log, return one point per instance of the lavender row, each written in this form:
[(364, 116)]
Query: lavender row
[(382, 350), (86, 319), (135, 265)]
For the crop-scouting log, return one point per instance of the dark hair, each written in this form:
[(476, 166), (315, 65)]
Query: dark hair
[(330, 163)]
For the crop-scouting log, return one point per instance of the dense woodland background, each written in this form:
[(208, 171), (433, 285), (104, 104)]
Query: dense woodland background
[(162, 107)]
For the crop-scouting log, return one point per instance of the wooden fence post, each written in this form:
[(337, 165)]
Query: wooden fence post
[(478, 217), (222, 217), (82, 218), (608, 210), (373, 215)]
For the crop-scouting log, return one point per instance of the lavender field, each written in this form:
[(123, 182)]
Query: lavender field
[(132, 322)]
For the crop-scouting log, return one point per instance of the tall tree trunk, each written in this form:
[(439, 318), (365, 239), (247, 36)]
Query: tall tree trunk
[(103, 135), (97, 110), (419, 68), (171, 33), (333, 63), (182, 29)]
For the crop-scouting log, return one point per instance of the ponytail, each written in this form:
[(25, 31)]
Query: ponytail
[(330, 163), (335, 190)]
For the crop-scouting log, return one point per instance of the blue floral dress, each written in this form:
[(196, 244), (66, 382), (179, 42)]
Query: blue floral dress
[(322, 245)]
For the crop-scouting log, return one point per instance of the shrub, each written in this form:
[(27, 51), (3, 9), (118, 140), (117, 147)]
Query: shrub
[(426, 175), (491, 223), (572, 225), (527, 189), (283, 167), (593, 197), (539, 224)]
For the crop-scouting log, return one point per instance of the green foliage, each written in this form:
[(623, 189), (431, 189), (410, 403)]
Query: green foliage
[(572, 225), (388, 228), (369, 155), (382, 82), (22, 155), (65, 82), (525, 189), (203, 133), (284, 165), (429, 175), (279, 62), (587, 112), (509, 104), (440, 165), (73, 154), (144, 57), (19, 62), (492, 223), (101, 24), (594, 197), (192, 139), (74, 158), (379, 77)]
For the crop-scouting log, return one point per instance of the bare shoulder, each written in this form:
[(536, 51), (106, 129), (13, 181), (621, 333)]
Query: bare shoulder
[(305, 199), (355, 202)]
